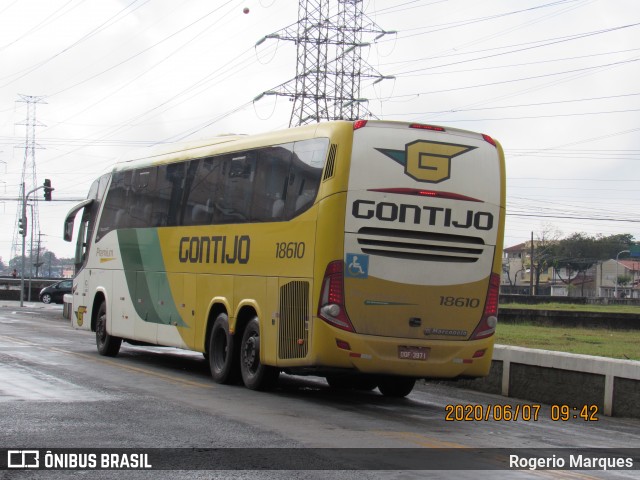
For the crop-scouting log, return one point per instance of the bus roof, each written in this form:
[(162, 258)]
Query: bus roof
[(175, 152)]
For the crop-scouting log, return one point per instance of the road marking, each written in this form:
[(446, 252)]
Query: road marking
[(419, 439), (113, 363), (17, 340), (118, 364), (23, 383)]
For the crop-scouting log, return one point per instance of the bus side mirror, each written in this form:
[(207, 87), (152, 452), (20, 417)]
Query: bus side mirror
[(68, 229)]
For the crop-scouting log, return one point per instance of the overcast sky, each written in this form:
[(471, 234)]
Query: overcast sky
[(556, 82)]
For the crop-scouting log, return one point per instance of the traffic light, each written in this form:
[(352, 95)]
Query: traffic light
[(22, 226), (47, 189)]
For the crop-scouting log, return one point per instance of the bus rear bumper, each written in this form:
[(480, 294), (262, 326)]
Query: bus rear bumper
[(397, 356)]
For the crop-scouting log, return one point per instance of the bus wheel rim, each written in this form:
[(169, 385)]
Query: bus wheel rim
[(251, 353)]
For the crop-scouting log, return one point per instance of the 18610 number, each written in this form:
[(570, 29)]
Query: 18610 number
[(460, 302), (290, 249)]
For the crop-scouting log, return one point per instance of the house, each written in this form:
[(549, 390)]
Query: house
[(516, 274), (512, 264), (516, 270), (597, 281), (627, 274)]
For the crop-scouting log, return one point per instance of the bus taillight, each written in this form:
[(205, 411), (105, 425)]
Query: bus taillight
[(488, 139), (423, 126), (487, 325), (331, 308), (426, 193)]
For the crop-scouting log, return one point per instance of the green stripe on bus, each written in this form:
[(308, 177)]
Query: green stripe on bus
[(146, 277)]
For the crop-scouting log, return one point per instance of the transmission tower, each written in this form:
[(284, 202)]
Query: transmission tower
[(330, 67), (29, 177)]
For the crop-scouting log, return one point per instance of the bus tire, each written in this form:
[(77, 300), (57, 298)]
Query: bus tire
[(255, 375), (397, 387), (221, 354), (338, 382), (108, 345), (364, 383)]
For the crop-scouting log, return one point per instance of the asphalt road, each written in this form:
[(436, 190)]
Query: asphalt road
[(56, 392)]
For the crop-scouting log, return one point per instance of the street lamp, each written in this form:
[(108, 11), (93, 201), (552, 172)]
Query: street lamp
[(615, 290)]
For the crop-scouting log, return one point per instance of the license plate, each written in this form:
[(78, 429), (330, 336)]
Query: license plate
[(412, 353)]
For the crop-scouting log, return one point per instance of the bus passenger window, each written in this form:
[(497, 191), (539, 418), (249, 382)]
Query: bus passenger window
[(270, 184), (235, 204), (305, 175), (202, 188)]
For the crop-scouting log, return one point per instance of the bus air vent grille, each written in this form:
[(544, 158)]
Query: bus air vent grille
[(294, 316), (420, 246), (331, 162)]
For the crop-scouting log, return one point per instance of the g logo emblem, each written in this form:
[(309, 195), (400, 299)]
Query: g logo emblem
[(431, 161), (426, 161)]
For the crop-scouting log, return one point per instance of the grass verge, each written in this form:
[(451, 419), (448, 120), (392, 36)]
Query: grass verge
[(571, 307), (622, 344)]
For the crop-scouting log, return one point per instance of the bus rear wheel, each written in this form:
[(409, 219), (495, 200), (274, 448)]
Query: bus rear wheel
[(221, 352), (397, 387), (255, 375), (108, 345)]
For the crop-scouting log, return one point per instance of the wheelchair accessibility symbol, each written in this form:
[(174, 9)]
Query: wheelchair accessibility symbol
[(357, 265)]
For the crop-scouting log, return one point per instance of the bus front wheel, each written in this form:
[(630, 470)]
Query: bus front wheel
[(108, 345), (255, 375), (221, 352), (397, 387)]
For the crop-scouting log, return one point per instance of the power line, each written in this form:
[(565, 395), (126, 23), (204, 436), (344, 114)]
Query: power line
[(137, 54), (571, 217), (44, 22), (92, 33), (502, 82), (526, 46)]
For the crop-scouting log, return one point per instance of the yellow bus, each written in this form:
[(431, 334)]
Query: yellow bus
[(366, 252)]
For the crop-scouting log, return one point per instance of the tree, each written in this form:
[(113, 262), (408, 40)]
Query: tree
[(614, 244), (576, 253), (49, 262), (580, 252), (51, 266), (543, 253), (624, 280)]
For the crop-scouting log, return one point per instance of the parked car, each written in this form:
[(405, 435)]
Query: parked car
[(54, 293)]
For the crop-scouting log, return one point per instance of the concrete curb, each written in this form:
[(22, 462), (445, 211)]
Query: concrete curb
[(563, 379)]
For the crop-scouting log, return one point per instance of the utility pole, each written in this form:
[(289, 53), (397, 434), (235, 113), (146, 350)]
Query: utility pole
[(615, 290), (30, 254), (23, 229), (38, 264), (531, 292), (330, 66)]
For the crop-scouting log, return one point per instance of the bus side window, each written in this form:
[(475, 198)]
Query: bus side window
[(143, 195), (114, 213), (270, 184), (234, 205), (202, 183), (305, 175), (168, 195)]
